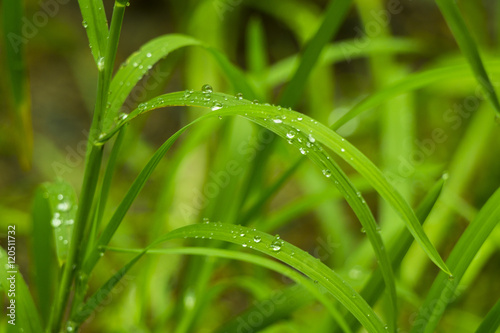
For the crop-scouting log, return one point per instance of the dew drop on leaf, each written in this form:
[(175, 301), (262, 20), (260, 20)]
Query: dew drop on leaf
[(207, 89)]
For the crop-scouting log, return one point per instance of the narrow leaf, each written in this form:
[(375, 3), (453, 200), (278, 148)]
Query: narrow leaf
[(96, 25), (453, 17), (63, 206)]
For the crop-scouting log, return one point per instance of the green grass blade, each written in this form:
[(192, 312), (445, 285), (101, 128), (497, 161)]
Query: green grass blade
[(491, 322), (256, 56), (140, 62), (453, 17), (26, 318), (334, 16), (443, 289), (96, 25), (136, 66), (63, 206), (101, 294), (253, 259), (286, 121), (16, 69), (409, 83), (125, 204), (108, 177), (289, 254), (374, 287), (304, 143), (45, 259)]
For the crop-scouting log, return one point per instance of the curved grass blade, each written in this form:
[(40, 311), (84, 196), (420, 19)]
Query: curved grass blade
[(25, 316), (491, 322), (16, 69), (397, 250), (453, 17), (44, 255), (443, 289), (253, 259), (140, 62), (125, 204), (410, 82), (96, 25), (289, 254), (136, 66), (101, 294), (334, 16), (289, 123), (305, 143), (63, 206)]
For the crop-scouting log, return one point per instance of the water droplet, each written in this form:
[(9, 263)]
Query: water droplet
[(142, 106), (303, 151), (85, 24), (451, 277), (277, 121), (100, 64), (244, 244), (60, 197), (207, 89), (327, 173), (71, 326), (56, 222), (363, 230), (149, 55), (290, 135), (70, 222), (311, 138), (187, 94), (342, 149), (216, 106), (276, 244), (257, 239), (239, 96), (206, 220), (122, 116), (242, 234), (63, 206)]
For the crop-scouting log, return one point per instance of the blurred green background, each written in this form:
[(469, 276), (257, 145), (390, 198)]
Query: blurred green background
[(415, 137)]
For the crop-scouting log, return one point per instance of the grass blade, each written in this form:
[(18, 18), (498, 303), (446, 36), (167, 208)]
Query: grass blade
[(136, 66), (491, 322), (453, 17), (286, 121), (334, 16), (101, 294), (96, 25), (253, 259), (304, 143), (289, 254), (443, 289), (139, 63), (63, 206), (397, 250), (410, 82), (25, 317), (125, 204), (43, 251)]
